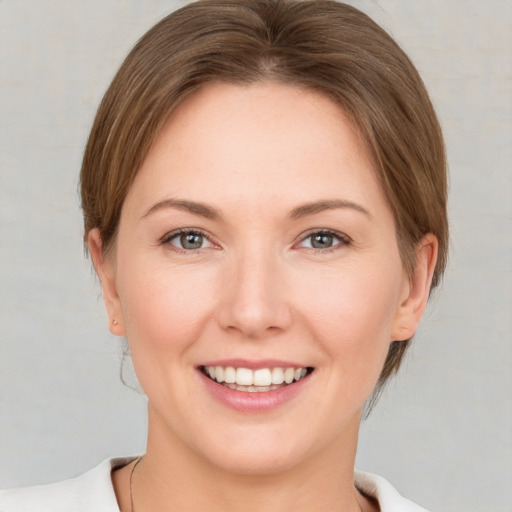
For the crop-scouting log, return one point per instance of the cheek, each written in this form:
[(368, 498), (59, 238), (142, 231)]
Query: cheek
[(163, 308), (352, 315)]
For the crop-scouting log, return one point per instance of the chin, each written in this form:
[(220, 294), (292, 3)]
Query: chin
[(251, 450), (257, 460)]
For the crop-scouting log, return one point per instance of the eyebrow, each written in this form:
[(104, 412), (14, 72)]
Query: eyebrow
[(329, 204), (194, 207), (209, 212)]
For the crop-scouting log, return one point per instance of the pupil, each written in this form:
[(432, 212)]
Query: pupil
[(321, 241), (191, 241)]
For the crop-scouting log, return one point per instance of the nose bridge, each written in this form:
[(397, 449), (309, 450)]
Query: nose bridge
[(254, 300)]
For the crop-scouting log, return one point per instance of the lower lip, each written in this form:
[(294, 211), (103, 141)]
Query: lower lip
[(244, 401)]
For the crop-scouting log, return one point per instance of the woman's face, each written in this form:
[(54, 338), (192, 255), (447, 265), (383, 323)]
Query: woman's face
[(256, 239)]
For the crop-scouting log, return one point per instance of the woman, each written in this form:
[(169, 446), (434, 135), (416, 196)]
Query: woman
[(264, 195)]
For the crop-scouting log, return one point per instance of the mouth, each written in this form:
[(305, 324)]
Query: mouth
[(255, 381)]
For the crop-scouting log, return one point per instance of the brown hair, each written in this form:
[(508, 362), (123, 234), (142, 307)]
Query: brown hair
[(321, 45)]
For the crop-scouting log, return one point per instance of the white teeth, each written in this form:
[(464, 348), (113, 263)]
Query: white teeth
[(219, 374), (277, 376), (289, 373), (244, 377), (229, 375), (262, 379), (253, 389)]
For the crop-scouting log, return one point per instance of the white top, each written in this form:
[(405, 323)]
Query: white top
[(93, 492)]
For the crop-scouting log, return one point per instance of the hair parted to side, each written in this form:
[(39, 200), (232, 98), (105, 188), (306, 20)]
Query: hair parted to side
[(322, 45)]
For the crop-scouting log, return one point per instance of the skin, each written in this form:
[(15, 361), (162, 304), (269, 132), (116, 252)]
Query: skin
[(257, 289)]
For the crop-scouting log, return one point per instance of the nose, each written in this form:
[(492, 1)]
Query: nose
[(253, 299)]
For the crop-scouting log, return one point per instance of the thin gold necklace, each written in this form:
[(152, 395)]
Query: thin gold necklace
[(131, 483)]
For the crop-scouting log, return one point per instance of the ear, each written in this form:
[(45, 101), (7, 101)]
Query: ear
[(416, 290), (106, 272)]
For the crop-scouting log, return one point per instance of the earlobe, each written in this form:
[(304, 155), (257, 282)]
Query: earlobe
[(414, 301), (105, 270)]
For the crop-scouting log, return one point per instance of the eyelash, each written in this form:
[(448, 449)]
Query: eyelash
[(169, 237), (343, 240)]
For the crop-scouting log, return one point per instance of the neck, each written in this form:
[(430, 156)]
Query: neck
[(172, 477)]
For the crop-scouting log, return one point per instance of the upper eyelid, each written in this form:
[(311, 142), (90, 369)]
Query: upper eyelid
[(342, 236), (344, 241), (196, 231), (167, 241)]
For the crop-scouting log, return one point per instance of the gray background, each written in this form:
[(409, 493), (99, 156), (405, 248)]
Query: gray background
[(442, 432)]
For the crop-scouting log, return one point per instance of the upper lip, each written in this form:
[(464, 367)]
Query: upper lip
[(255, 364)]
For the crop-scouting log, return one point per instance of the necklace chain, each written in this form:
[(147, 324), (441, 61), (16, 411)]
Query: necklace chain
[(131, 483)]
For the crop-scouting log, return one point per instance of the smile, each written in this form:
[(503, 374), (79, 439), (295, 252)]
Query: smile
[(255, 381)]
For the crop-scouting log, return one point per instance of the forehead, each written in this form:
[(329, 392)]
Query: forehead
[(257, 141), (248, 111)]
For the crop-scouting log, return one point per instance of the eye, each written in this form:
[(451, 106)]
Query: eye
[(187, 240), (324, 239)]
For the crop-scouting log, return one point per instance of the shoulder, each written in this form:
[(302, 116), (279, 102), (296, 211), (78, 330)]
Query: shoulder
[(384, 493), (91, 492)]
